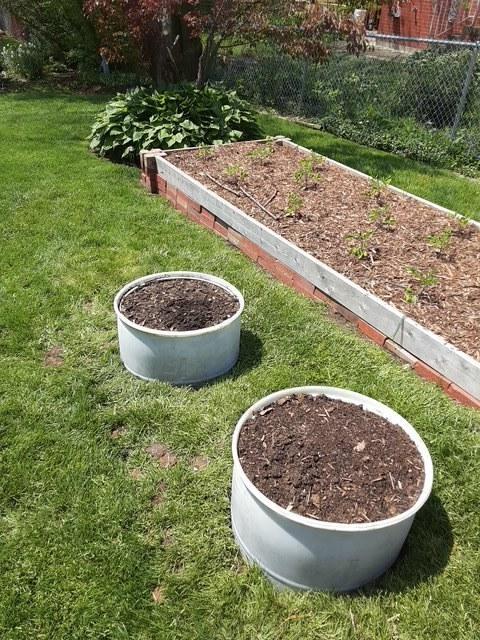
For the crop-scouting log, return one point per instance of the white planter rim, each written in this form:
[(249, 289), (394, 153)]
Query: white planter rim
[(369, 404), (179, 275)]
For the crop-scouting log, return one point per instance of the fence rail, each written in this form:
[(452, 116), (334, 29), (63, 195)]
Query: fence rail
[(415, 96)]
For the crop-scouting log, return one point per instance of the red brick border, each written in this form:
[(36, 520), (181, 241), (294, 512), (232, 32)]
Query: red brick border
[(202, 216)]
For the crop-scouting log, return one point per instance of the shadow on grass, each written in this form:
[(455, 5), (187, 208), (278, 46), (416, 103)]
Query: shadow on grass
[(251, 351), (425, 553)]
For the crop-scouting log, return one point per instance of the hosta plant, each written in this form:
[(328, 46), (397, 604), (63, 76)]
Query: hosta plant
[(181, 117)]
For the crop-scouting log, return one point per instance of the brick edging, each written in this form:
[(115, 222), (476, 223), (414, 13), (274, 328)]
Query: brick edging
[(197, 213)]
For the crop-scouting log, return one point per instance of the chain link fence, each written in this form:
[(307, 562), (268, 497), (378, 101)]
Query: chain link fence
[(416, 97)]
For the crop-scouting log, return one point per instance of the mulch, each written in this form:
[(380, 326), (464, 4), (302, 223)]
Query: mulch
[(329, 460), (334, 214), (178, 304)]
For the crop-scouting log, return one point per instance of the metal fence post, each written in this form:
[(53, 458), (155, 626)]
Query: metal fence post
[(465, 89), (303, 87)]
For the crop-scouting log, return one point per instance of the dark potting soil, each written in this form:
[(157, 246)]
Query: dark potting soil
[(330, 460), (179, 304)]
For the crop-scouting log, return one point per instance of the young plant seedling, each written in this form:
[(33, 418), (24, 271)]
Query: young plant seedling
[(263, 153), (464, 228), (381, 217), (378, 187), (409, 296), (360, 244), (235, 173), (424, 281), (205, 153), (308, 172), (294, 205), (440, 241)]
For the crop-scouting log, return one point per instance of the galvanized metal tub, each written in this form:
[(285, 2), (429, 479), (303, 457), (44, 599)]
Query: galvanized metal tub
[(179, 357), (306, 554)]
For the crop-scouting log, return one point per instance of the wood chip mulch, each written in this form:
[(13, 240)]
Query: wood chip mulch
[(419, 260)]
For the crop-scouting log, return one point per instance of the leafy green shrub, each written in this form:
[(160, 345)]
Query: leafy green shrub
[(22, 60), (181, 117), (434, 84), (407, 138)]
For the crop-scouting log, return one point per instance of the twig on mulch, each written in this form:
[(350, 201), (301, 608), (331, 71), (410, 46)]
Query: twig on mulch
[(259, 204), (223, 186), (272, 197), (245, 193)]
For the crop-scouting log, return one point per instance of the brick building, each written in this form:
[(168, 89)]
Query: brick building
[(439, 19)]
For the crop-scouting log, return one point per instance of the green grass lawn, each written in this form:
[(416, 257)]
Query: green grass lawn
[(443, 187), (90, 525)]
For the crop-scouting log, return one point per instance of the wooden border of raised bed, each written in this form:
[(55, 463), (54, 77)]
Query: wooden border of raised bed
[(428, 354)]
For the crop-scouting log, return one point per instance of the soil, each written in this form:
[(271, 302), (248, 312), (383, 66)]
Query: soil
[(179, 304), (329, 460), (420, 260)]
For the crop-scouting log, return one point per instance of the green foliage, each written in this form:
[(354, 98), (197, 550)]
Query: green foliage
[(381, 217), (377, 187), (440, 241), (263, 153), (433, 96), (235, 173), (61, 29), (308, 172), (205, 153), (181, 117), (409, 296), (422, 282), (24, 60), (360, 244), (403, 106), (406, 137), (294, 205)]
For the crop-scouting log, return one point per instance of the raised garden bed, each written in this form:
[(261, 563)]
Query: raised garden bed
[(404, 266), (326, 484)]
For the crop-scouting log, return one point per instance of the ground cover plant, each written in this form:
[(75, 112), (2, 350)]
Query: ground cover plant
[(328, 212), (114, 494), (182, 117)]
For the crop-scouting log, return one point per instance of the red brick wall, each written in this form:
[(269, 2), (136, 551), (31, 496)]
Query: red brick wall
[(426, 19)]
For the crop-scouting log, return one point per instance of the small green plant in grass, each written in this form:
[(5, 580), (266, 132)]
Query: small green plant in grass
[(378, 187), (308, 172), (235, 173), (360, 244), (381, 217), (423, 282), (262, 153), (294, 204), (440, 241)]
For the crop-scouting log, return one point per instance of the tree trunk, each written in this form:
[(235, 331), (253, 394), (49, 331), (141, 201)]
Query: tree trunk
[(174, 56)]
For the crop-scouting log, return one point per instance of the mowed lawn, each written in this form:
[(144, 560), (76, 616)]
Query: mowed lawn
[(90, 524)]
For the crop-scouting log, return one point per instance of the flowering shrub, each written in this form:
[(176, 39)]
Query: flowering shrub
[(22, 60)]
